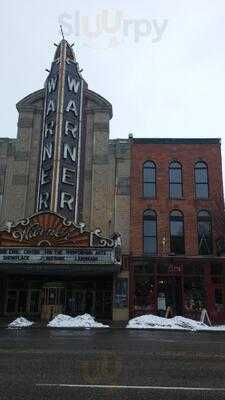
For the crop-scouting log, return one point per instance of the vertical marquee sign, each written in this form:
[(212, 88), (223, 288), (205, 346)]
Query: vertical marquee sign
[(59, 176)]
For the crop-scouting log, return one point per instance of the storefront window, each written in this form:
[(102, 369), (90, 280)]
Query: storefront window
[(144, 267), (217, 273), (54, 296), (144, 295), (22, 301), (12, 301), (194, 296), (34, 301), (121, 293), (193, 269), (162, 268), (169, 296), (218, 299), (17, 301), (217, 279), (18, 283)]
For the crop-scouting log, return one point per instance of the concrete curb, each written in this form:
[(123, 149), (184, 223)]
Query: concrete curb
[(114, 328)]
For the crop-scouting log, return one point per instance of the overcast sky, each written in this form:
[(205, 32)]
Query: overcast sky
[(160, 63)]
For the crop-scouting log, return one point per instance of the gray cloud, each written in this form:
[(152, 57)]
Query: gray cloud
[(171, 87)]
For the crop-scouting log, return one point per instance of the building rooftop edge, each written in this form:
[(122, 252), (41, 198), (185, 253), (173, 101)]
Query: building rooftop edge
[(176, 141)]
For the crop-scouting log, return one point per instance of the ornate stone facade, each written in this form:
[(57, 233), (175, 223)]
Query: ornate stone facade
[(104, 196)]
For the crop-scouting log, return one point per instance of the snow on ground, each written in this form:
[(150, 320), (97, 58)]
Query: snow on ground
[(20, 323), (154, 322), (81, 321)]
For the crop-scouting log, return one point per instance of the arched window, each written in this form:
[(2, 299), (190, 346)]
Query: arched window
[(201, 180), (177, 245), (205, 242), (150, 232), (175, 176), (149, 179)]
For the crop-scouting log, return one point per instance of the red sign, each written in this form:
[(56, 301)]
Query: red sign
[(175, 268), (50, 229)]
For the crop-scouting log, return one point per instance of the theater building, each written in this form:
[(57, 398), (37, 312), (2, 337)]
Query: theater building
[(177, 226), (64, 202), (116, 228)]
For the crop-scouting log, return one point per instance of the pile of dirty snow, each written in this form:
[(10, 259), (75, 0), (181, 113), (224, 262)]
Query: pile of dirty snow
[(20, 323), (81, 321), (155, 322), (217, 328)]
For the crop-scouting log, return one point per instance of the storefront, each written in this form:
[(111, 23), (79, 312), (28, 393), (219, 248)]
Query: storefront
[(49, 266), (38, 296), (172, 286)]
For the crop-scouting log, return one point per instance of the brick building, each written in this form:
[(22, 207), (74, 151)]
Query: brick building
[(177, 222)]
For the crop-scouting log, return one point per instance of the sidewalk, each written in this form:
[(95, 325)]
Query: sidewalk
[(4, 321)]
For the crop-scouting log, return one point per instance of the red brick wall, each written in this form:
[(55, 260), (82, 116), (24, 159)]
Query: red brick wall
[(187, 155)]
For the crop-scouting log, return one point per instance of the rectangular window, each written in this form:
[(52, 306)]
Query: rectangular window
[(12, 301), (177, 245), (150, 228), (22, 301), (217, 274), (175, 179), (194, 296), (144, 300), (202, 191), (175, 190), (149, 189), (150, 245), (201, 180), (149, 179), (144, 267), (218, 297), (205, 244), (121, 293), (149, 174), (217, 269), (201, 176), (150, 241)]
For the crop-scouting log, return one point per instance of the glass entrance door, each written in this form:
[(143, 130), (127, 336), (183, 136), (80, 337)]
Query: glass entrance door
[(17, 301), (75, 301), (103, 303), (90, 302), (96, 302), (53, 301), (35, 300), (81, 301), (11, 307), (22, 301), (169, 296)]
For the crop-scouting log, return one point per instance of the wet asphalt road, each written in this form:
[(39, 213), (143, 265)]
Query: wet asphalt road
[(111, 364)]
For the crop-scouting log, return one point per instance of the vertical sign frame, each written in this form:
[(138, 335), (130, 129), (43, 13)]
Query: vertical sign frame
[(59, 176)]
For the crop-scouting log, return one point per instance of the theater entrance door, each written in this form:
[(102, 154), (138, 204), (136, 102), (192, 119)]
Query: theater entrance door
[(53, 300), (80, 301), (94, 298)]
